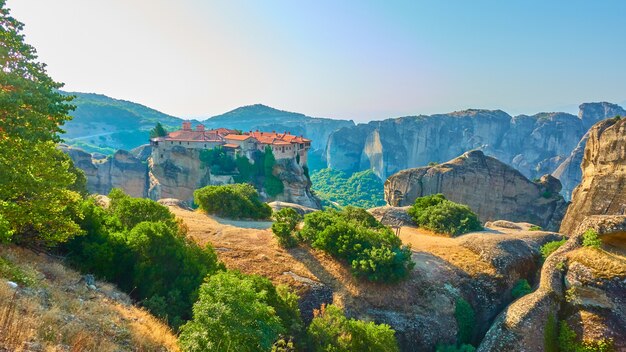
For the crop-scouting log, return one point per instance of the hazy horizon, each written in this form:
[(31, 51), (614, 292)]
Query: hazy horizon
[(350, 60)]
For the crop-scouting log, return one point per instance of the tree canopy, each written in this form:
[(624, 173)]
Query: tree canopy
[(36, 205), (158, 131)]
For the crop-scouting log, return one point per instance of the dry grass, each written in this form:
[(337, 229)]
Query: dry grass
[(59, 313), (603, 264)]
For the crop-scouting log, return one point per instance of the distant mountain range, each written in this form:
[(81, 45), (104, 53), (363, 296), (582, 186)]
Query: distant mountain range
[(103, 124)]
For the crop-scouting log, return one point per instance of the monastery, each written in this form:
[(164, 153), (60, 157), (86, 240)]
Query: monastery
[(283, 145)]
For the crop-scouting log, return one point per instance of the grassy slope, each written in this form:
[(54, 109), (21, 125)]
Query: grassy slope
[(54, 310)]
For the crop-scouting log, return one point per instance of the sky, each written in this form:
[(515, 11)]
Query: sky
[(361, 60)]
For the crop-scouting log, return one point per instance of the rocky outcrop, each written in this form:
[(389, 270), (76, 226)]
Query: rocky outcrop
[(178, 177), (492, 189), (573, 288), (296, 184), (122, 170), (603, 187), (535, 145), (392, 216)]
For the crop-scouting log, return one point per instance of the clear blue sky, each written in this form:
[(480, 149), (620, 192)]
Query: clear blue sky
[(345, 59)]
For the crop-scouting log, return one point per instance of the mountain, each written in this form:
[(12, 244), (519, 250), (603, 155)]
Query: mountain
[(103, 124), (265, 118), (535, 145)]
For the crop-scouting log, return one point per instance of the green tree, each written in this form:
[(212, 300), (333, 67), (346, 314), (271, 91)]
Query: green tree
[(158, 131), (521, 288), (330, 330), (36, 206), (438, 214), (231, 314), (283, 228), (272, 184)]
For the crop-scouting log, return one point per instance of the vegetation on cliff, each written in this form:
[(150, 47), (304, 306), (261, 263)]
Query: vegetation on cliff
[(440, 215), (361, 189), (330, 330), (235, 201), (352, 234)]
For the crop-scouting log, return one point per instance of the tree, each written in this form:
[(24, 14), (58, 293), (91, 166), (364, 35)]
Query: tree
[(273, 185), (36, 206), (286, 221), (438, 214), (239, 200), (232, 314), (158, 131)]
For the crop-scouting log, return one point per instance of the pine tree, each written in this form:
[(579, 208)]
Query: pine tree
[(158, 131)]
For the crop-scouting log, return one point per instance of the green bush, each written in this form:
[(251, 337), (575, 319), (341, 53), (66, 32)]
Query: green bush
[(372, 250), (361, 189), (14, 273), (455, 348), (465, 320), (550, 334), (238, 200), (283, 228), (330, 330), (591, 239), (568, 342), (144, 252), (551, 247), (440, 215), (535, 228), (521, 288), (236, 312)]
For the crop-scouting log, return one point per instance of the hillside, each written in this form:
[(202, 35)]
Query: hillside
[(103, 124), (480, 267), (54, 308)]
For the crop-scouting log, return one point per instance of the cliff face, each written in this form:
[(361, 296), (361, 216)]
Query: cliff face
[(492, 189), (583, 287), (535, 145), (603, 187), (178, 177), (122, 170)]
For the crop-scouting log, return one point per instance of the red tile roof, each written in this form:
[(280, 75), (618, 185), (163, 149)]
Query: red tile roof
[(237, 137)]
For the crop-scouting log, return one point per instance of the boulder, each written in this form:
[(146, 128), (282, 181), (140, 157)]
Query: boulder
[(492, 189)]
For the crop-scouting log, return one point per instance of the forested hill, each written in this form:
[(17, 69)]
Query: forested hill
[(103, 124)]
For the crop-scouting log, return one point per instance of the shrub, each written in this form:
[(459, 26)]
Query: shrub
[(455, 348), (521, 288), (535, 228), (286, 221), (151, 260), (551, 247), (550, 335), (465, 320), (217, 161), (568, 342), (440, 215), (330, 330), (238, 200), (14, 273), (591, 239), (372, 250), (236, 312)]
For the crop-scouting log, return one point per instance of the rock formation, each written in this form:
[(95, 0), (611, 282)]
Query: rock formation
[(122, 170), (535, 145), (603, 187), (583, 287), (492, 189), (178, 177)]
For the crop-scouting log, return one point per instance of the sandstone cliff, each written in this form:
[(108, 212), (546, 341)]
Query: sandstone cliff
[(136, 174), (492, 189), (582, 286), (121, 170), (535, 145), (603, 187)]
